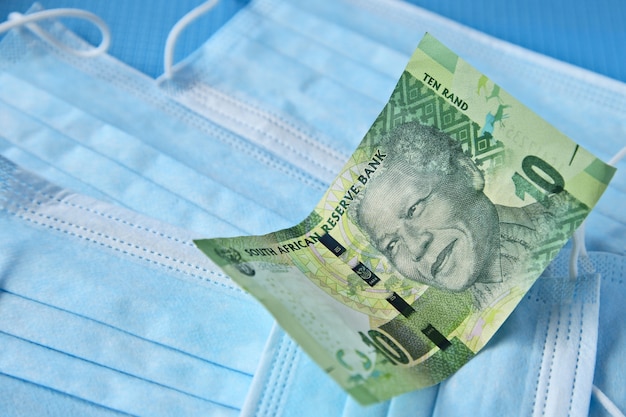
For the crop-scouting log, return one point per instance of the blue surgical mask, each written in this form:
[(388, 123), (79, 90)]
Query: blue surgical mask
[(102, 306), (108, 311), (106, 113)]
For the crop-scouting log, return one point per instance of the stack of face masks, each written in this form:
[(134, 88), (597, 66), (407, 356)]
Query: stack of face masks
[(246, 142), (123, 125), (104, 310)]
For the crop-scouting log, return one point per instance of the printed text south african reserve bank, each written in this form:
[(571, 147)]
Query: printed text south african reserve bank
[(333, 218)]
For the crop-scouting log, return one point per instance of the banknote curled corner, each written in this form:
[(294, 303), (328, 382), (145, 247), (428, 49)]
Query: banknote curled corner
[(455, 201)]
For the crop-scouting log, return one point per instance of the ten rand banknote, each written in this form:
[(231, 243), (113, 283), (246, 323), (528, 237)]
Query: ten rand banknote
[(450, 208)]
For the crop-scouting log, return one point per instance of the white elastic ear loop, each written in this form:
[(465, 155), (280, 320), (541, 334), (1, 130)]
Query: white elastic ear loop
[(578, 242), (606, 402), (18, 19), (618, 156), (172, 37), (578, 248)]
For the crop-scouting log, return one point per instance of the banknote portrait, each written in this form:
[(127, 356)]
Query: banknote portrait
[(427, 212)]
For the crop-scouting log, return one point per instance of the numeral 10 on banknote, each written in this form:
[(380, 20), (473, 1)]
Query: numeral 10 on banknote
[(534, 167)]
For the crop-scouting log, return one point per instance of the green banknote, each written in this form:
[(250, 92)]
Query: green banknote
[(450, 208)]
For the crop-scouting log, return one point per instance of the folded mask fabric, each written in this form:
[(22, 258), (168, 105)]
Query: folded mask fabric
[(540, 363), (70, 110), (609, 375), (331, 66), (105, 130), (284, 170), (104, 311)]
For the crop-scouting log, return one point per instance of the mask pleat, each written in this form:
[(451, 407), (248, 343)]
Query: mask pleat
[(269, 57), (112, 348), (144, 161), (110, 392), (19, 400), (330, 63), (98, 323), (341, 40), (221, 151), (301, 89), (33, 163), (372, 19), (124, 186), (140, 163), (315, 158)]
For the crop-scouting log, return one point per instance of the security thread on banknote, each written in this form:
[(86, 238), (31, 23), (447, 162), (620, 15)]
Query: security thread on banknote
[(450, 208)]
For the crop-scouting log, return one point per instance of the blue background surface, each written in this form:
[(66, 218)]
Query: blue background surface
[(591, 35)]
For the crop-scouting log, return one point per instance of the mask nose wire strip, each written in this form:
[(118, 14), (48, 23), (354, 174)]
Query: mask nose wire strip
[(578, 246), (172, 37), (17, 19)]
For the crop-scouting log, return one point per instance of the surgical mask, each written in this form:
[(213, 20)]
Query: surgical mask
[(108, 117), (338, 142), (108, 311), (112, 299), (330, 66)]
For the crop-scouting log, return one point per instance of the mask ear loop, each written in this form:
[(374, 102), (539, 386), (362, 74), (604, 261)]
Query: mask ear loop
[(579, 249), (578, 242), (606, 402), (172, 37), (18, 19)]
